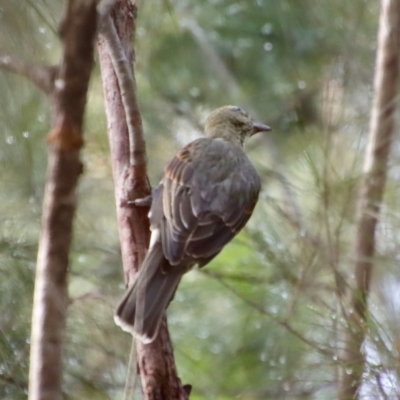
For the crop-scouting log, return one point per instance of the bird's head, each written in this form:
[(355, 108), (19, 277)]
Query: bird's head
[(231, 122)]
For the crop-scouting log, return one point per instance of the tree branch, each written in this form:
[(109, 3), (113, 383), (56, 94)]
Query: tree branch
[(371, 193), (130, 179), (126, 80), (155, 360), (41, 75), (64, 168)]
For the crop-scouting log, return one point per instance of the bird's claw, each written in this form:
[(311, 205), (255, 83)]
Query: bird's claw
[(143, 202)]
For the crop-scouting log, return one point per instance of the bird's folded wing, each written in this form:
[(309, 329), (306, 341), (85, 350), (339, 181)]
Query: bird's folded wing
[(202, 211)]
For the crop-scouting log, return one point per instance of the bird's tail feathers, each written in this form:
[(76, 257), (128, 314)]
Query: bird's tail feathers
[(141, 309)]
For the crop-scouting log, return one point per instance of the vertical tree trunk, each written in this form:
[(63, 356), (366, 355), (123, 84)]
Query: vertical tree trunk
[(64, 168), (155, 360), (371, 194)]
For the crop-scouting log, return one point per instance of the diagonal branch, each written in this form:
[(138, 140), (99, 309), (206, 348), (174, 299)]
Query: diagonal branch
[(40, 75)]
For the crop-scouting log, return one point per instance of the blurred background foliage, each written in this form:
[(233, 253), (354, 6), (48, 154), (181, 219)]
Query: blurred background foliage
[(263, 320)]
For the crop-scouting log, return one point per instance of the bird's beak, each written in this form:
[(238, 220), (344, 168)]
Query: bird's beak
[(257, 127)]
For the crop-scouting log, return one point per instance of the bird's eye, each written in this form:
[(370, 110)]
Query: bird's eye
[(239, 109)]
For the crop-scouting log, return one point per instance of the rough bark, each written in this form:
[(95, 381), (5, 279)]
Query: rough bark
[(64, 167), (130, 181), (155, 361), (371, 194)]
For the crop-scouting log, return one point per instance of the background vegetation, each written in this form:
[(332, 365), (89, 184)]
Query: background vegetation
[(263, 321)]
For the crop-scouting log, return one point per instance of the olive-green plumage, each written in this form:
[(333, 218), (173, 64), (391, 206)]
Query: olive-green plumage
[(206, 196)]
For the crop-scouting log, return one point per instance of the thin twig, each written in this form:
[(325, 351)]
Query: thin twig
[(131, 374), (34, 5), (282, 322), (40, 75), (11, 380)]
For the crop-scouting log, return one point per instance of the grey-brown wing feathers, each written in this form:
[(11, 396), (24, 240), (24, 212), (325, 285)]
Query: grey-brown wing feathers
[(206, 204)]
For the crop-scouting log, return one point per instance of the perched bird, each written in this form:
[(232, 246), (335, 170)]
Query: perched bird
[(206, 196)]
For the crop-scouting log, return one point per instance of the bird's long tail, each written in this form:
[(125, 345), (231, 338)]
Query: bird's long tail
[(142, 307)]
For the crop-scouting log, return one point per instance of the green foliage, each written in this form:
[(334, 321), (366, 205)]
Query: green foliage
[(262, 321)]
